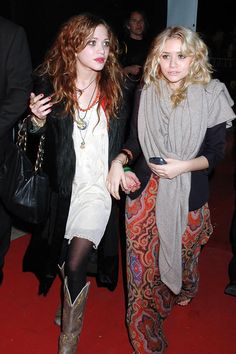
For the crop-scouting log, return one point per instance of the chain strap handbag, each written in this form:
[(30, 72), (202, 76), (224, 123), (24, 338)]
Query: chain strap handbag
[(25, 190)]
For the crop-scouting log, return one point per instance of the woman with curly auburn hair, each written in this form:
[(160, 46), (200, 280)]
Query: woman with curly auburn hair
[(79, 103), (177, 138)]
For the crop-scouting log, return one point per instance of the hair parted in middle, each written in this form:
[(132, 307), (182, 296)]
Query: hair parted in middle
[(192, 45), (60, 63)]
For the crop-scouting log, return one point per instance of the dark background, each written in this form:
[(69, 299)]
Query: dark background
[(42, 19)]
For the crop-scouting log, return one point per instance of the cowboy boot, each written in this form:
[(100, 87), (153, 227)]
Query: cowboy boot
[(58, 315), (72, 320)]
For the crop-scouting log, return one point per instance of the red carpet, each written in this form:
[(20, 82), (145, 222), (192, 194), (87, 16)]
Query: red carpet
[(26, 323), (206, 326)]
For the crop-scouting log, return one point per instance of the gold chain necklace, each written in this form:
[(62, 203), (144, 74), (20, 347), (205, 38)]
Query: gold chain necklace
[(81, 122), (80, 91)]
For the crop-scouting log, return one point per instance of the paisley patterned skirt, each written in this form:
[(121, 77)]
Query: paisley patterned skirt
[(149, 299)]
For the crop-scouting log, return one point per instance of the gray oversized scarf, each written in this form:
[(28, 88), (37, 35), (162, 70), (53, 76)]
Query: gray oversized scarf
[(177, 133)]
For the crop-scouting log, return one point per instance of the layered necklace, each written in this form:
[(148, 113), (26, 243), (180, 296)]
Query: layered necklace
[(81, 121), (82, 124), (80, 91)]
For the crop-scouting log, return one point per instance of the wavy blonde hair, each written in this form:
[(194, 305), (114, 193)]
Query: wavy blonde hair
[(60, 64), (192, 45)]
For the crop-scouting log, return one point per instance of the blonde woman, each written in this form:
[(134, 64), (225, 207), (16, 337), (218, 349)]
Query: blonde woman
[(179, 120)]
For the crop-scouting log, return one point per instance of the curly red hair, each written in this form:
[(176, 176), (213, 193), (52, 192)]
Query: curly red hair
[(60, 64)]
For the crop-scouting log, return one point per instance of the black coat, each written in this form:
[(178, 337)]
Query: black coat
[(15, 87), (15, 78), (42, 255)]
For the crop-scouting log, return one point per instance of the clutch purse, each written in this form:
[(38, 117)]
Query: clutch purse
[(25, 190)]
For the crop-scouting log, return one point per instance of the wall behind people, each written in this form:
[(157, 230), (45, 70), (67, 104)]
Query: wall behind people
[(182, 12)]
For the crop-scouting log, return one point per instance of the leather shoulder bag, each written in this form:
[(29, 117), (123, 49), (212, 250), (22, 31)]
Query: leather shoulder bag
[(25, 190)]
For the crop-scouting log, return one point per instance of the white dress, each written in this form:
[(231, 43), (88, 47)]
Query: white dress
[(90, 202)]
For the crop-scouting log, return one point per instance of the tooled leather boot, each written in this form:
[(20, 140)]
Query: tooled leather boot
[(72, 320)]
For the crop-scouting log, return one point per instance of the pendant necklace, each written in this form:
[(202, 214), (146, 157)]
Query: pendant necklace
[(80, 91), (82, 144), (80, 121), (83, 133)]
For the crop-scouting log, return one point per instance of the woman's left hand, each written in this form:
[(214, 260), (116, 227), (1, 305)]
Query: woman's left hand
[(170, 170), (114, 178)]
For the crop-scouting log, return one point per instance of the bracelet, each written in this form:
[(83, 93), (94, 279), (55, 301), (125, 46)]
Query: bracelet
[(128, 154), (127, 169), (35, 122), (118, 161)]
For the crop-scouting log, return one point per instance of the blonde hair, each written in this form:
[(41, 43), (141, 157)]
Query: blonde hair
[(192, 45), (60, 64)]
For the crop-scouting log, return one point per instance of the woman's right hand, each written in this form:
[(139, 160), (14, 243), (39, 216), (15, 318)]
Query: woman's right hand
[(40, 106), (132, 182)]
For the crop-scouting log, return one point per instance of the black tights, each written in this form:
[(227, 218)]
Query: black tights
[(79, 251)]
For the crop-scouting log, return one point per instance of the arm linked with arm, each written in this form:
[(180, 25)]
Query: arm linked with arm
[(116, 176)]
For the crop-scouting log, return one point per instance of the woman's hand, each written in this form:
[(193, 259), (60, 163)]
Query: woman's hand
[(128, 181), (132, 182), (115, 176), (170, 170), (175, 168), (40, 107)]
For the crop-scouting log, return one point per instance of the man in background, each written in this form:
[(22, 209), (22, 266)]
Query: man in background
[(135, 44), (15, 87)]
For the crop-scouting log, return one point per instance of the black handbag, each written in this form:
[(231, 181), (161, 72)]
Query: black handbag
[(25, 188)]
